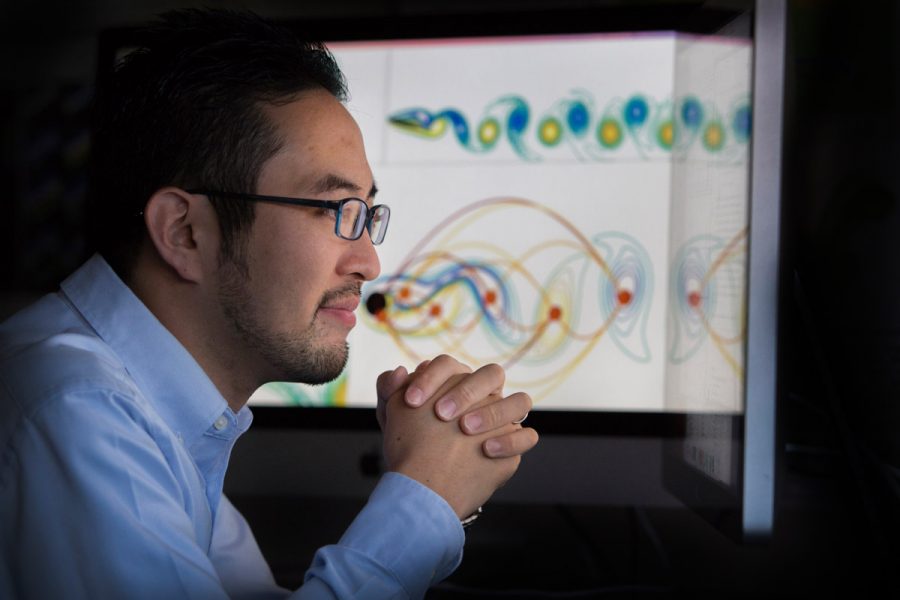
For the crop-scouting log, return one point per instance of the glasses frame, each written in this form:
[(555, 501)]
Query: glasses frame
[(335, 205)]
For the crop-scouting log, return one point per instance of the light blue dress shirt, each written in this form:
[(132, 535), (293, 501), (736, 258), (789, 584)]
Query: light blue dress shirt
[(113, 449)]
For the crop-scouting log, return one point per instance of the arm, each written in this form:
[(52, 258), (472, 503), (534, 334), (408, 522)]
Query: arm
[(405, 539), (95, 504)]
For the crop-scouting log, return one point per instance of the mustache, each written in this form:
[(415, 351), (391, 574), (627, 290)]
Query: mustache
[(351, 289)]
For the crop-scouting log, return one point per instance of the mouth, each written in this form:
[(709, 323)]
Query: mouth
[(348, 303), (341, 310)]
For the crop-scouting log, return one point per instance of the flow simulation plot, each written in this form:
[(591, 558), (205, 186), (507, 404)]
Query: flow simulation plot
[(536, 303), (604, 267), (707, 299), (574, 127)]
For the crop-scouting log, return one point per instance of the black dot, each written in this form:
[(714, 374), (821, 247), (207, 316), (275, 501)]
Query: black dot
[(375, 303)]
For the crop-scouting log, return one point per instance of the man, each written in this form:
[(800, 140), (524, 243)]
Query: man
[(235, 221)]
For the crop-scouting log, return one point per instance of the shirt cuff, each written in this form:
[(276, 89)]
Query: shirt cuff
[(410, 530)]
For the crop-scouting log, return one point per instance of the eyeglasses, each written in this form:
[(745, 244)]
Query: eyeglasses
[(353, 214)]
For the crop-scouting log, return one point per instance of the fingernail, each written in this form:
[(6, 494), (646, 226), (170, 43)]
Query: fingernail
[(446, 408), (414, 396), (492, 447), (473, 423)]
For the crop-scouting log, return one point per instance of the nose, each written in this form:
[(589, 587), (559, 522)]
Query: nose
[(361, 258)]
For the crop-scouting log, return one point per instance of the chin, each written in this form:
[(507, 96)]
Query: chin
[(318, 366)]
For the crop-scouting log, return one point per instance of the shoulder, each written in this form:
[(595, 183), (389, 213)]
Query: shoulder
[(66, 402), (66, 362), (70, 371)]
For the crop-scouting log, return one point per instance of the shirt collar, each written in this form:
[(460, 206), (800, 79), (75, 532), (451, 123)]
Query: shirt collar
[(161, 367)]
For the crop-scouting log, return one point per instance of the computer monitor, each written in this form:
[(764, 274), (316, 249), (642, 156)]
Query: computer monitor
[(589, 198)]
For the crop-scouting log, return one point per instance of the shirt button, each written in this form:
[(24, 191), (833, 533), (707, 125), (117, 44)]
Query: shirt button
[(221, 423)]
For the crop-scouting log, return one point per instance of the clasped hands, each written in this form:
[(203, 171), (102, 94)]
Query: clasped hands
[(470, 442)]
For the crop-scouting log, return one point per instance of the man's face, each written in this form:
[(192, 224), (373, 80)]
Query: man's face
[(293, 305)]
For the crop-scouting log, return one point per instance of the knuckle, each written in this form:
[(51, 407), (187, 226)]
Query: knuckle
[(465, 395), (492, 415), (442, 359), (496, 373), (426, 368), (521, 441), (427, 371), (423, 380), (526, 399), (447, 361), (520, 403)]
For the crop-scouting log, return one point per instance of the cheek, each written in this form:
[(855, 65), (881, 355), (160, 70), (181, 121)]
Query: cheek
[(288, 272)]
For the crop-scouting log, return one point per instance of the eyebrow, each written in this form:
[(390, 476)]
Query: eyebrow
[(332, 182)]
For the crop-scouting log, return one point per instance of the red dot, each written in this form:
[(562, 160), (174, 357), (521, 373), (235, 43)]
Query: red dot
[(435, 310), (404, 293), (490, 297), (694, 299), (624, 296), (555, 313), (381, 315)]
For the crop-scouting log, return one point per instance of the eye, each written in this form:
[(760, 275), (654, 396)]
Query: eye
[(328, 212)]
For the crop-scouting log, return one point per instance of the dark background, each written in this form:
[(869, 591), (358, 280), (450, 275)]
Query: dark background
[(838, 516)]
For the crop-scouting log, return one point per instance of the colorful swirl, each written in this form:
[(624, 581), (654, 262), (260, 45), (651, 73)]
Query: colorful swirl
[(538, 307), (707, 300), (654, 128)]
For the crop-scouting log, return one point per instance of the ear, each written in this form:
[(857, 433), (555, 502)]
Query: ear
[(184, 230)]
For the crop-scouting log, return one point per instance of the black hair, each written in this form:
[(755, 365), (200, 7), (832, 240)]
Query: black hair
[(185, 108)]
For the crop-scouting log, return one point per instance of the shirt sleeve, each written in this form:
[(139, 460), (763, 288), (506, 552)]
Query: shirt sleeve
[(405, 539), (93, 507)]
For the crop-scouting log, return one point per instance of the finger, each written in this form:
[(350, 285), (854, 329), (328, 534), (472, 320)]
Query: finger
[(512, 444), (387, 384), (470, 391), (428, 379), (496, 414)]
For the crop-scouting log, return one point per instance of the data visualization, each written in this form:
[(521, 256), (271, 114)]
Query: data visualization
[(572, 208)]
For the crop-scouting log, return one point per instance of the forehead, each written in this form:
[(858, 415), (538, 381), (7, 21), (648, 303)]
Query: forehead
[(318, 139)]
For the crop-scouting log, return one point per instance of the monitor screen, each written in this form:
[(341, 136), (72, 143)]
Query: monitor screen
[(572, 207)]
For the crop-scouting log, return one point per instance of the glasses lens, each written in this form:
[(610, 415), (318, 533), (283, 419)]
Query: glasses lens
[(379, 222), (352, 219)]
